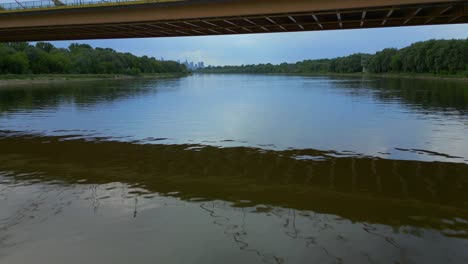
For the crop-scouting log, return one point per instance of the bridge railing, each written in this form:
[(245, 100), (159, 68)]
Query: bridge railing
[(67, 3)]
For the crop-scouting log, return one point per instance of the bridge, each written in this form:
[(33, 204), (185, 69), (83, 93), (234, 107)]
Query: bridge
[(104, 19)]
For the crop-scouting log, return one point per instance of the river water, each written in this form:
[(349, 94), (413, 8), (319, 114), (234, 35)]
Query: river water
[(235, 168)]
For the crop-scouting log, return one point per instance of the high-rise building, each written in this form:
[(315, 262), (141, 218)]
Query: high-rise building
[(194, 65)]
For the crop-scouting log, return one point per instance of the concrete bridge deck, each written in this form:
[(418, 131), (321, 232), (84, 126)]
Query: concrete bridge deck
[(171, 18)]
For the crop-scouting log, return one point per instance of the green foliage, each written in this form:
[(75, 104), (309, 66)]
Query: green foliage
[(16, 63), (44, 58), (381, 62), (47, 47), (433, 56)]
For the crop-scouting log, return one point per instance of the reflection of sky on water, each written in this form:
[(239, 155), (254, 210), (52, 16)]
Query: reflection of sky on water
[(267, 111), (118, 226)]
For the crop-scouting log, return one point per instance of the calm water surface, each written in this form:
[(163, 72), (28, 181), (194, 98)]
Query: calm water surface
[(235, 168)]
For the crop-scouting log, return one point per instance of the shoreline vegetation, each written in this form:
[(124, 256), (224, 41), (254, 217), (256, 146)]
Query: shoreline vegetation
[(25, 79), (23, 63), (419, 76), (20, 79), (44, 62), (16, 79), (432, 59)]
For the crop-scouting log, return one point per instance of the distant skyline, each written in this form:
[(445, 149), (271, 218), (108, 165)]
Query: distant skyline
[(277, 47)]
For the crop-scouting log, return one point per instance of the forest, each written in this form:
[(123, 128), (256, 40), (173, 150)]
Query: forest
[(45, 58), (439, 57)]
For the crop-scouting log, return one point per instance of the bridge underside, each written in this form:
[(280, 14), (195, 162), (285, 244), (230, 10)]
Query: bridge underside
[(197, 18)]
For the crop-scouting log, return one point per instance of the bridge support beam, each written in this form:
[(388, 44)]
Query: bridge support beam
[(208, 17)]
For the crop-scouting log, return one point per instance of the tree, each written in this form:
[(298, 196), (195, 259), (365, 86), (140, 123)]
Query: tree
[(45, 46), (381, 61), (17, 63)]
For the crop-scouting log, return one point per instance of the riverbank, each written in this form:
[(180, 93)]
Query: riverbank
[(17, 79), (427, 76)]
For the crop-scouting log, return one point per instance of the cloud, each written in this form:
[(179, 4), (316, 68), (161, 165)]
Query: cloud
[(279, 47)]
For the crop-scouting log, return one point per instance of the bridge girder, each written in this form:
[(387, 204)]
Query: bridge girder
[(208, 17)]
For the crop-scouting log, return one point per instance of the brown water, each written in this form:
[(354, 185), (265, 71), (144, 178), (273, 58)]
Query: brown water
[(235, 168)]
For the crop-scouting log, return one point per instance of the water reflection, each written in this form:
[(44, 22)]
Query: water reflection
[(289, 206), (433, 95), (232, 169), (80, 94), (388, 118), (359, 188)]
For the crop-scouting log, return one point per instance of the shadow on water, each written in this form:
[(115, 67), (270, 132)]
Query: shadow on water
[(359, 188)]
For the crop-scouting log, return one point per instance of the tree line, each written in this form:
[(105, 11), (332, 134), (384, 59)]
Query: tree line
[(444, 57), (45, 58)]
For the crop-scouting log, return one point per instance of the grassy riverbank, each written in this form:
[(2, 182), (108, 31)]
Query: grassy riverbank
[(427, 76), (8, 79)]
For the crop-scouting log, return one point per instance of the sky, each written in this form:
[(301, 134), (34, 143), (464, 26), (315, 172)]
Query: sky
[(277, 47)]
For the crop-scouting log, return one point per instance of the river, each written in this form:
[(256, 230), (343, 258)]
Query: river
[(235, 168)]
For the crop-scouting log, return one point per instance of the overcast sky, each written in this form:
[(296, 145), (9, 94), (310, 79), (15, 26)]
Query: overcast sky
[(278, 47)]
